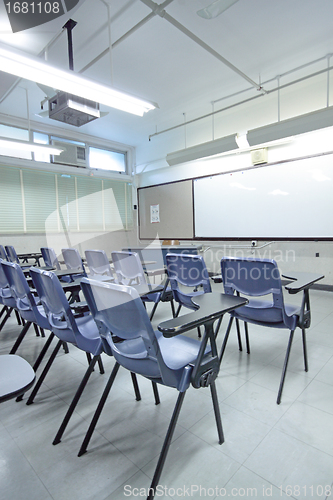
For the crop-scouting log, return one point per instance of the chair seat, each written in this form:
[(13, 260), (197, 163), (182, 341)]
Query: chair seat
[(263, 312), (178, 351), (89, 331), (186, 299), (16, 376)]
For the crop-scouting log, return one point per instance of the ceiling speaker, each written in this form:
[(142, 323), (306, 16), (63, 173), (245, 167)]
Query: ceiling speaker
[(259, 156)]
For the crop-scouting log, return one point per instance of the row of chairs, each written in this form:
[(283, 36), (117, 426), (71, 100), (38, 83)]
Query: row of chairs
[(133, 343), (122, 328), (190, 272)]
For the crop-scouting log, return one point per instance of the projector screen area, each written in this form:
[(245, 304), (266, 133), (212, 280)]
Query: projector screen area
[(291, 200)]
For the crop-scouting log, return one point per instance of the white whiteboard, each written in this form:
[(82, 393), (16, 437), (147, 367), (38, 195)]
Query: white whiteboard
[(283, 201)]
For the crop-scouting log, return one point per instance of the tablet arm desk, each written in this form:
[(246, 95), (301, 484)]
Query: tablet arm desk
[(302, 282), (211, 307)]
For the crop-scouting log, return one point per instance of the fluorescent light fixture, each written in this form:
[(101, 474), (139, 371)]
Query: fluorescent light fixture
[(210, 148), (293, 126), (28, 146), (32, 68)]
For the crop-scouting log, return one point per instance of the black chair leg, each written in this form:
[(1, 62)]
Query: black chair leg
[(36, 330), (247, 337), (43, 352), (285, 365), (18, 318), (44, 373), (178, 311), (305, 353), (216, 331), (39, 359), (8, 313), (166, 446), (65, 346), (239, 335), (225, 340), (20, 337), (199, 332), (75, 401), (3, 310), (217, 412), (88, 355), (100, 365), (156, 394), (98, 411), (136, 387), (153, 311), (172, 308)]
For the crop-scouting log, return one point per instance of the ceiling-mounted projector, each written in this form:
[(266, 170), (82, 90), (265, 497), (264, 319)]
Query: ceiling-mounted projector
[(71, 109)]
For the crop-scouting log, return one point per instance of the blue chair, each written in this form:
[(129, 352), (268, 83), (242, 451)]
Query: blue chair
[(6, 298), (11, 254), (98, 263), (3, 285), (73, 260), (129, 271), (16, 376), (3, 254), (128, 335), (50, 258), (28, 307), (259, 278), (188, 277), (80, 331)]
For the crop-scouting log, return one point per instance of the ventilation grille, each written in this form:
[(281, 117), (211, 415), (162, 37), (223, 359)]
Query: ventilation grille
[(259, 156)]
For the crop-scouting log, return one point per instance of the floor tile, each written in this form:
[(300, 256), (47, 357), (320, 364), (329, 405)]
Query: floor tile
[(291, 464)]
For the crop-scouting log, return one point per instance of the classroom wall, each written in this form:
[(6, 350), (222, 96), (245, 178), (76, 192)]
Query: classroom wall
[(108, 242), (290, 255)]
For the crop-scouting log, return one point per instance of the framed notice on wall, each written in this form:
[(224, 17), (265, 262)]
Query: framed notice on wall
[(154, 213)]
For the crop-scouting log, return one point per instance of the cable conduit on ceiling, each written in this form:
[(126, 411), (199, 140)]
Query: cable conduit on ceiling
[(226, 108)]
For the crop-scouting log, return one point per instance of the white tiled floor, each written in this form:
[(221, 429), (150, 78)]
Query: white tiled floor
[(270, 451)]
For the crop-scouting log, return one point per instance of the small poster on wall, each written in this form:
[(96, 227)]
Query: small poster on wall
[(154, 213)]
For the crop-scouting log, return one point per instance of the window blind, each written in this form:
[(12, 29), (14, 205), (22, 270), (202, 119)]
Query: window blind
[(35, 201)]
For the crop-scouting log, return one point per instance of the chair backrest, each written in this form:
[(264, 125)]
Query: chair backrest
[(56, 306), (72, 258), (256, 278), (49, 257), (128, 268), (187, 270), (3, 254), (98, 262), (11, 254), (83, 332), (133, 342), (3, 277), (253, 277), (25, 301), (6, 296)]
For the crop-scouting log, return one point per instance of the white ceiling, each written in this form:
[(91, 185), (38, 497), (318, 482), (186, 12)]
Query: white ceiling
[(260, 38)]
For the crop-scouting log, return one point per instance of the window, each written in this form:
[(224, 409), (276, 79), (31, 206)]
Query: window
[(39, 202), (15, 133), (41, 139), (99, 158), (103, 159)]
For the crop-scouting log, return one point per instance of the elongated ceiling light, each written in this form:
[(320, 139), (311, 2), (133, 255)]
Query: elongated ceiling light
[(28, 146), (31, 68)]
